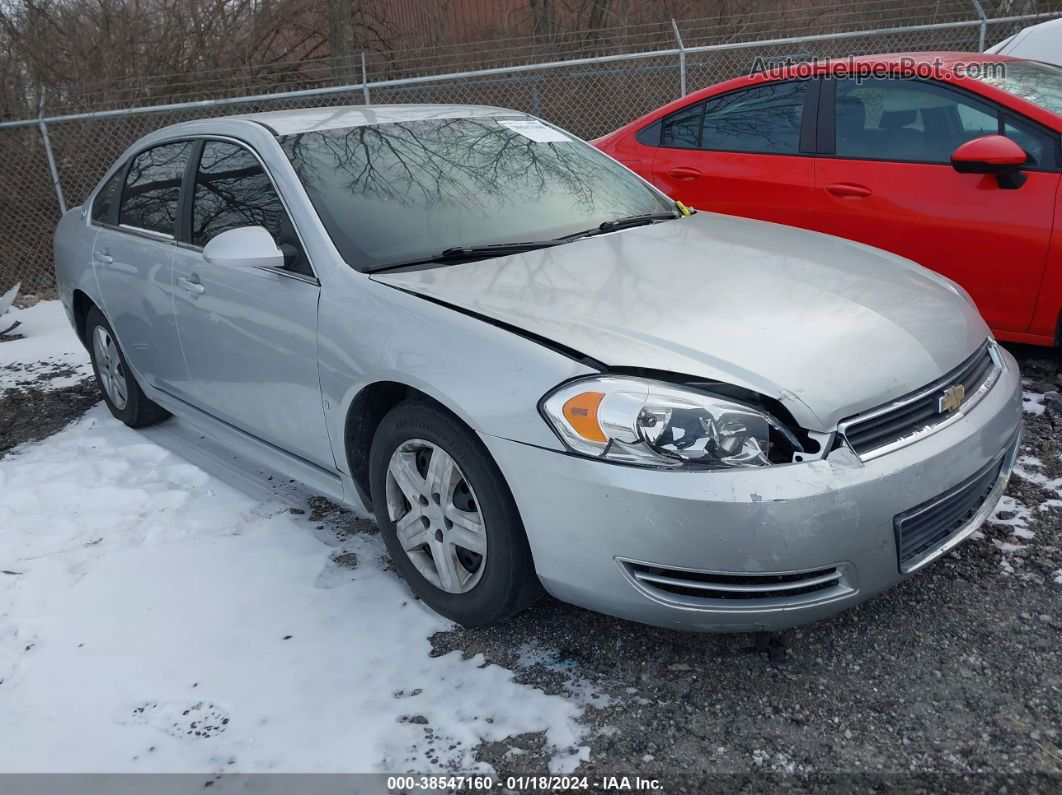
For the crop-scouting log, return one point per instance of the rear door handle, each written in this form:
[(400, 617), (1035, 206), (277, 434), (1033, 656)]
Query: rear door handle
[(103, 256), (193, 287), (848, 190), (683, 172)]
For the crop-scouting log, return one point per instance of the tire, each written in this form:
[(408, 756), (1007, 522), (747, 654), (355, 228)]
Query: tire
[(483, 589), (119, 388)]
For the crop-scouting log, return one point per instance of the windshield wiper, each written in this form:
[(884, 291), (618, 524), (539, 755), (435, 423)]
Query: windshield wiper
[(497, 249), (467, 253), (623, 223)]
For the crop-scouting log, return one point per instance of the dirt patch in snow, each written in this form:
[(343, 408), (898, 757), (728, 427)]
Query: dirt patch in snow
[(30, 413)]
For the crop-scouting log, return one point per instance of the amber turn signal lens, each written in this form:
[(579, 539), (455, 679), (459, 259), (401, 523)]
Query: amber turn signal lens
[(581, 413)]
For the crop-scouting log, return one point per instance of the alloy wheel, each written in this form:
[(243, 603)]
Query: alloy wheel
[(436, 515), (110, 367)]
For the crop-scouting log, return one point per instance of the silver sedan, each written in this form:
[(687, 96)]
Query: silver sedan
[(538, 371)]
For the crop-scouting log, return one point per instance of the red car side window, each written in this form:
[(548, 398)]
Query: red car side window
[(907, 120), (682, 130), (763, 119)]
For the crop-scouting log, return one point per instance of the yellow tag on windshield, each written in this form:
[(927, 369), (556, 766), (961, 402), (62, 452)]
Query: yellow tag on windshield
[(682, 208)]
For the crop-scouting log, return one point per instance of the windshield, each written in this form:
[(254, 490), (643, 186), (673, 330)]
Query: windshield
[(1035, 82), (402, 192)]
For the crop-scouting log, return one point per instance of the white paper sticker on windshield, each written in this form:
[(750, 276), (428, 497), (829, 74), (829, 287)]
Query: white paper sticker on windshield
[(535, 130)]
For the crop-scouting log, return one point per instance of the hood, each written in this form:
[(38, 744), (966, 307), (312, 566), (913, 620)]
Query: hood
[(827, 326)]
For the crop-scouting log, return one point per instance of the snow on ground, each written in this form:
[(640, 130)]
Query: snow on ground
[(1032, 402), (47, 352), (152, 618), (1031, 469), (1011, 513), (1017, 516)]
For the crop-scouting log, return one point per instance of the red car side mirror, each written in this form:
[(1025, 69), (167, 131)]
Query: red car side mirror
[(992, 154)]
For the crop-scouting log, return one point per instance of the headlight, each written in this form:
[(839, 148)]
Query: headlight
[(651, 423)]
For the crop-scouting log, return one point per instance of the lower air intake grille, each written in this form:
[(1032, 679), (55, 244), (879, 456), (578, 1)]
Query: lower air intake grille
[(737, 590), (920, 529)]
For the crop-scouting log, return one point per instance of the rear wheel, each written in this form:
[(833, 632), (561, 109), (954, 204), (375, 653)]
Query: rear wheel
[(448, 517), (121, 392)]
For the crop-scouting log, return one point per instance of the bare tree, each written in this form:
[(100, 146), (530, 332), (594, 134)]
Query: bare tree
[(90, 54), (341, 39)]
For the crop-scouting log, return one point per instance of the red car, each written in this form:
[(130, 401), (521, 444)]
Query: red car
[(949, 159)]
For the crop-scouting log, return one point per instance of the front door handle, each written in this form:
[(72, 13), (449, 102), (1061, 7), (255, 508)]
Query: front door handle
[(848, 190), (193, 285), (683, 172), (103, 256)]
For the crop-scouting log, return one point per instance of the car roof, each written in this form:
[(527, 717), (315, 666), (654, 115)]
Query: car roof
[(1037, 42), (947, 61), (289, 122)]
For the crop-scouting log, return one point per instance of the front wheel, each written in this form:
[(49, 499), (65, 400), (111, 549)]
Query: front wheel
[(121, 392), (448, 517)]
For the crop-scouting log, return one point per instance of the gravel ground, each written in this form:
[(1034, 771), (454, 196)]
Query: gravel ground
[(949, 681)]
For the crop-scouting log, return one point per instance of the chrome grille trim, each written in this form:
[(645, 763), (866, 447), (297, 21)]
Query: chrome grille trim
[(738, 588), (707, 590), (985, 365)]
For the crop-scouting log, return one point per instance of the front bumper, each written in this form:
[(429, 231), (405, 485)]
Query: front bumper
[(749, 549)]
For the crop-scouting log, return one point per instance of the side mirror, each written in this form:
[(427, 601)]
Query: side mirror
[(244, 247), (992, 154)]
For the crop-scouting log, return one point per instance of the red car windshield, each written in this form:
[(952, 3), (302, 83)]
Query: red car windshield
[(1035, 82)]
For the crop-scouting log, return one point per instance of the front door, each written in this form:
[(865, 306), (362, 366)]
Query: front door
[(249, 335), (889, 183), (740, 153)]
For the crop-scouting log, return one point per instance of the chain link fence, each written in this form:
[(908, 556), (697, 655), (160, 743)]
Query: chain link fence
[(588, 96)]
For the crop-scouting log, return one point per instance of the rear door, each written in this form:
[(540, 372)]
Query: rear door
[(746, 152), (136, 212), (886, 179), (249, 335)]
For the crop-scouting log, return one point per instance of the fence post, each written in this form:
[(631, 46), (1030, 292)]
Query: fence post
[(51, 158), (364, 79), (984, 24), (682, 58)]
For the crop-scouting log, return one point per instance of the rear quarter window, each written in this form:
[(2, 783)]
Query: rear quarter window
[(101, 205)]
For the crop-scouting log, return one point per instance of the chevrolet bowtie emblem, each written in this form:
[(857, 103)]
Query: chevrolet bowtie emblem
[(951, 399)]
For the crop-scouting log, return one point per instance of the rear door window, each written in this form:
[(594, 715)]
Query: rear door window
[(153, 188), (762, 119)]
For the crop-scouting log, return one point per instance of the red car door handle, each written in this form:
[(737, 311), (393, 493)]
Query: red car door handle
[(682, 172), (847, 190)]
